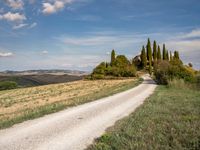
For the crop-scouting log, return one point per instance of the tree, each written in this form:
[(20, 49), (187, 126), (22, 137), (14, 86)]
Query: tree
[(159, 53), (167, 55), (149, 51), (176, 55), (154, 51), (164, 52), (143, 57), (112, 57), (150, 67), (171, 57)]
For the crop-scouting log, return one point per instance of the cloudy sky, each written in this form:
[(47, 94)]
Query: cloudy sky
[(78, 34)]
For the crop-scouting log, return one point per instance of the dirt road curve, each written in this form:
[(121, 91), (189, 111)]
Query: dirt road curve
[(75, 128)]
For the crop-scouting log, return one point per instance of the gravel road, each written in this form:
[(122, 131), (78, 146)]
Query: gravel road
[(75, 128)]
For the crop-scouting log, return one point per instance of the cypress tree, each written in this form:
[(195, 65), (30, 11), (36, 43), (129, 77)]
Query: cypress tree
[(167, 55), (143, 57), (154, 51), (112, 57), (149, 51), (159, 54), (176, 55), (150, 67), (164, 52), (171, 57)]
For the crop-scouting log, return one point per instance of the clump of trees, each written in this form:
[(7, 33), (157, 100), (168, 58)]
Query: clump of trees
[(119, 66), (165, 66), (8, 85)]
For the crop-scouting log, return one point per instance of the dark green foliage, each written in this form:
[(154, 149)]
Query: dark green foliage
[(149, 51), (99, 71), (143, 57), (159, 57), (112, 57), (8, 85), (121, 67), (154, 51), (164, 52), (166, 71), (149, 55), (171, 57), (176, 55), (150, 67), (167, 56), (198, 80)]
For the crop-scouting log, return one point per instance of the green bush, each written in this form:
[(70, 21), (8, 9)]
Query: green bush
[(121, 67), (198, 80), (7, 85), (166, 71), (97, 76)]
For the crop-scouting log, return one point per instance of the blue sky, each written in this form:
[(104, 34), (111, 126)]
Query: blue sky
[(78, 34)]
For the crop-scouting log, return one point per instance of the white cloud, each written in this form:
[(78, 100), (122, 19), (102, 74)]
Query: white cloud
[(49, 8), (45, 52), (14, 17), (19, 26), (186, 42), (15, 4), (6, 54), (33, 25)]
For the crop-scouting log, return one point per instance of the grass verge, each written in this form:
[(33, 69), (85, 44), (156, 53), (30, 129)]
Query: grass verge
[(63, 104), (169, 119)]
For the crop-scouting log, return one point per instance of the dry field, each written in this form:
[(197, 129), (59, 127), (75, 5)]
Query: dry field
[(28, 103)]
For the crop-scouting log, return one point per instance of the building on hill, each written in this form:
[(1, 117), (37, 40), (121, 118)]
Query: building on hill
[(137, 60)]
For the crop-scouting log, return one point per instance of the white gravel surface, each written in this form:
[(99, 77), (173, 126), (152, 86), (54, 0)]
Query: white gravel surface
[(75, 128)]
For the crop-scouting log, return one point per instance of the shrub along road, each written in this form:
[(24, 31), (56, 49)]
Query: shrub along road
[(75, 128)]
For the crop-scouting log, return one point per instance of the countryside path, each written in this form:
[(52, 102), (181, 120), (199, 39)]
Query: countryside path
[(75, 128)]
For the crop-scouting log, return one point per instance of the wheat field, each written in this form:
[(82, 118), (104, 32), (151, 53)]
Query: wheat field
[(22, 104)]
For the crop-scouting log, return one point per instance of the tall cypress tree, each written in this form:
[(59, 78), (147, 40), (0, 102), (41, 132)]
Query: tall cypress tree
[(167, 55), (171, 57), (164, 52), (149, 51), (159, 57), (154, 51), (112, 57), (143, 57), (150, 67)]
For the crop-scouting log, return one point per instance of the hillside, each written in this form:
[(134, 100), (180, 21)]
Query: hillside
[(41, 77)]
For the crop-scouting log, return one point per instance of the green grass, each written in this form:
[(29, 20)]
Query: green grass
[(55, 107), (169, 119)]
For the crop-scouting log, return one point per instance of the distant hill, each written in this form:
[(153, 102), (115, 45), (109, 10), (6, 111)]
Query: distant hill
[(41, 77), (54, 72)]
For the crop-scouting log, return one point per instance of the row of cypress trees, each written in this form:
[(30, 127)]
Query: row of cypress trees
[(148, 58)]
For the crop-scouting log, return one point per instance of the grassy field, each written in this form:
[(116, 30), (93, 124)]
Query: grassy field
[(169, 119), (23, 104)]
